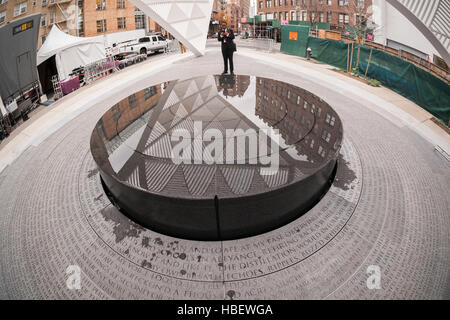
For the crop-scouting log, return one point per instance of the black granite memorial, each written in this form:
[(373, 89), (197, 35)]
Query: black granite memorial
[(217, 157)]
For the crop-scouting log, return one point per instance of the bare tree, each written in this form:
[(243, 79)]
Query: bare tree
[(315, 8), (363, 21)]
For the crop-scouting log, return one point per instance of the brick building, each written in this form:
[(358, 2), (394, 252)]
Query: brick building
[(336, 12), (108, 16), (84, 18), (309, 120), (234, 9), (122, 114), (232, 86), (63, 13)]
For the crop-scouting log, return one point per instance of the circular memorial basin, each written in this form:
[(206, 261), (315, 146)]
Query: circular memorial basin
[(217, 157)]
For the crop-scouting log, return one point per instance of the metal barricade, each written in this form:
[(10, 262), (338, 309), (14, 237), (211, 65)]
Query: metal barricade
[(99, 69), (263, 44), (57, 91), (173, 46)]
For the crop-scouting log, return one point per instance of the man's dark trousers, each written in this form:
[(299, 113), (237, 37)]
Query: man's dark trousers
[(227, 54)]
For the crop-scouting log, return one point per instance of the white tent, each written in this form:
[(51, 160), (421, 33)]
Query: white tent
[(70, 52)]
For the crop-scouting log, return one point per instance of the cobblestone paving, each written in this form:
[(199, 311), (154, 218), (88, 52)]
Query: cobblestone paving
[(389, 206)]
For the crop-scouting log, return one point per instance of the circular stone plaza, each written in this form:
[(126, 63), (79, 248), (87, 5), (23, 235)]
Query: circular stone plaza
[(353, 203)]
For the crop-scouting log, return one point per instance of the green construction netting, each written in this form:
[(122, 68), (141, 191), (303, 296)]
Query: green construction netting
[(317, 25), (321, 26), (412, 82), (300, 23), (295, 47), (353, 31), (329, 51)]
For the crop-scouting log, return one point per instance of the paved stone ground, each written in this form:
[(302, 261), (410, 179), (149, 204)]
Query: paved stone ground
[(389, 207)]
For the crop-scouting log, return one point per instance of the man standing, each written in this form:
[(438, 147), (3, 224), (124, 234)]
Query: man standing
[(226, 36)]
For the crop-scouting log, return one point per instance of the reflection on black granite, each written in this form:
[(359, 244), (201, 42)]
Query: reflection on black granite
[(135, 146)]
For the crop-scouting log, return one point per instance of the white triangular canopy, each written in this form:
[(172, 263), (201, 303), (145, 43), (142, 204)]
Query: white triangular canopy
[(58, 40), (187, 20), (70, 52)]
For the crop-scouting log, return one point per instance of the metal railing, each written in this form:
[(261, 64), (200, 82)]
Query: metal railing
[(173, 46), (99, 69), (263, 44)]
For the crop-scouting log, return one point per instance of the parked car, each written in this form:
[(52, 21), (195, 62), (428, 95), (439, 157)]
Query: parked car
[(147, 45)]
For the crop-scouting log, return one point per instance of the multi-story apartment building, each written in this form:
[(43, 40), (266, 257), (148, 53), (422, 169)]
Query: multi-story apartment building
[(107, 16), (66, 14), (310, 123), (234, 9), (335, 12), (76, 17), (245, 7)]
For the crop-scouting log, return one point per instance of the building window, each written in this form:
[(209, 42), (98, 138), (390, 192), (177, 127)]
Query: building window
[(343, 18), (332, 121), (43, 17), (268, 3), (329, 2), (44, 3), (43, 39), (52, 18), (149, 92), (34, 3), (292, 15), (101, 26), (120, 4), (116, 112), (121, 23), (321, 17), (2, 16), (304, 15), (260, 4), (139, 19), (132, 101), (360, 4), (20, 8), (3, 1), (326, 135), (343, 3), (101, 5), (329, 16), (275, 3)]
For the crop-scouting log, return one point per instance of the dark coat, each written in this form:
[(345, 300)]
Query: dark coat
[(227, 41)]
